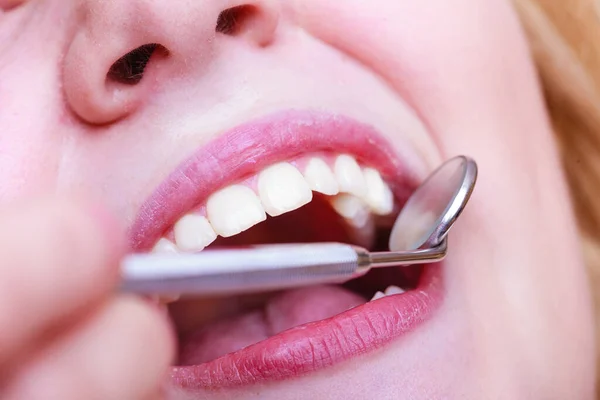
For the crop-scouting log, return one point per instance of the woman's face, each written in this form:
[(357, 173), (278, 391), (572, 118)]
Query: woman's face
[(399, 86)]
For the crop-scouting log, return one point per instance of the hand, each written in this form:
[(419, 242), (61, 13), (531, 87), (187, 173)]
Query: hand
[(64, 334)]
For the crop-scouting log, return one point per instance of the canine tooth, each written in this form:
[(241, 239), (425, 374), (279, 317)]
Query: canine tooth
[(360, 225), (320, 178), (349, 176), (391, 290), (351, 208), (282, 188), (379, 196), (164, 246), (378, 296), (193, 233), (166, 299), (234, 209)]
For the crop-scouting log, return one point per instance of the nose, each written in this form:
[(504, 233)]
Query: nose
[(123, 48)]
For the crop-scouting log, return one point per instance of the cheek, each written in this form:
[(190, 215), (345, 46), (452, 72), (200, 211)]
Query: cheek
[(29, 161), (457, 63), (465, 69), (32, 134)]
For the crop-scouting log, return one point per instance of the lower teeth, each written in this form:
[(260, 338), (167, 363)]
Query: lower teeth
[(390, 291)]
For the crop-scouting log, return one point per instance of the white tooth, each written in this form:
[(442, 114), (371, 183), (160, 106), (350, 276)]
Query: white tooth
[(349, 176), (360, 225), (320, 178), (379, 195), (378, 296), (164, 246), (233, 210), (351, 208), (282, 188), (166, 299), (391, 290), (193, 233)]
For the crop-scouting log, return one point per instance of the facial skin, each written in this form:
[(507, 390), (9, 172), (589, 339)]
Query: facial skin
[(515, 321)]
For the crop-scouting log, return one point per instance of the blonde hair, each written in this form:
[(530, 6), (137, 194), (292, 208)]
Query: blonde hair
[(564, 38)]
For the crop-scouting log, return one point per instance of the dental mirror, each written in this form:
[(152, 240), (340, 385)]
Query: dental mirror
[(418, 237), (433, 208)]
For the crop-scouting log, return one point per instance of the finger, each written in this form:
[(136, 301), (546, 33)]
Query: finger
[(122, 353), (56, 259)]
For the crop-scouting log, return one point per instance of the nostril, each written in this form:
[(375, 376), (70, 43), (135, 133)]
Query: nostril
[(100, 97), (129, 69), (231, 20)]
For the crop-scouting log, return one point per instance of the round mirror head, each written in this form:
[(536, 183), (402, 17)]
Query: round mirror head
[(432, 209)]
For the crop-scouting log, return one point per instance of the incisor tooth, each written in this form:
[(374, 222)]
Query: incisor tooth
[(391, 290), (282, 188), (349, 176), (193, 233), (379, 197), (164, 246), (378, 295), (320, 178), (233, 210)]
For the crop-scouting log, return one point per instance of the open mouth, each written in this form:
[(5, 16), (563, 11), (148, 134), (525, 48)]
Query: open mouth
[(290, 178)]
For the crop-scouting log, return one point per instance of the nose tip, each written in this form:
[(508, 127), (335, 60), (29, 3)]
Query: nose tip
[(124, 48)]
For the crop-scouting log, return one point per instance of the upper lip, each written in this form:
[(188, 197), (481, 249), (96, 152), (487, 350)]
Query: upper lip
[(252, 146)]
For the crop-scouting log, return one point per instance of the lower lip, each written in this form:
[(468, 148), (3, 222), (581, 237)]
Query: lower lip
[(318, 345)]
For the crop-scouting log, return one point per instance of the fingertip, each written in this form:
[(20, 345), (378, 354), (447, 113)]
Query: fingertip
[(148, 339), (58, 258), (123, 351), (156, 325)]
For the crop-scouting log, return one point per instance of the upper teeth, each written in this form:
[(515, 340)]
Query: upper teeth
[(282, 188), (233, 210), (352, 208), (360, 224), (379, 196), (193, 233), (349, 176), (278, 189), (320, 178), (165, 246)]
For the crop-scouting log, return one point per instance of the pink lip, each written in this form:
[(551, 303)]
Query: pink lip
[(241, 152), (317, 345), (251, 147)]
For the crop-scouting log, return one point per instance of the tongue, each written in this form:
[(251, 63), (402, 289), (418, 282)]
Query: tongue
[(285, 311)]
